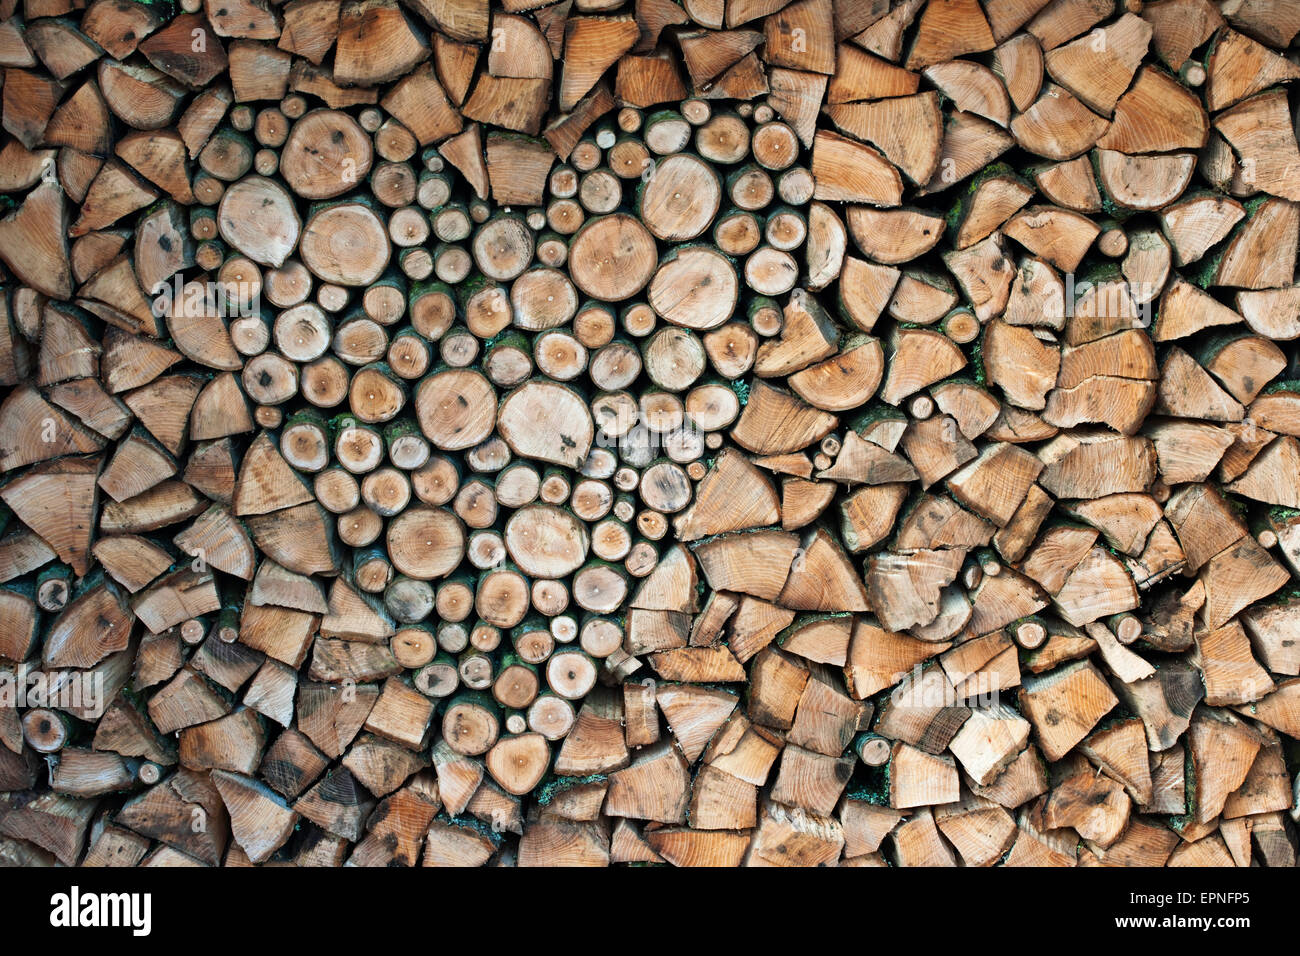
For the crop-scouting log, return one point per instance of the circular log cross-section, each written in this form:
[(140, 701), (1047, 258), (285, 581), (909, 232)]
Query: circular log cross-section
[(542, 299), (360, 527), (376, 394), (551, 716), (437, 679), (305, 445), (571, 674), (346, 244), (559, 355), (453, 604), (599, 588), (546, 541), (302, 332), (681, 198), (46, 731), (503, 247), (502, 597), (269, 379), (516, 686), (696, 287), (53, 592), (612, 258), (436, 481), (337, 490), (257, 216), (775, 146), (326, 155), (737, 233), (533, 641), (600, 192), (664, 487), (712, 407), (287, 285), (601, 637), (519, 763), (615, 366), (358, 448), (470, 727), (413, 647), (874, 751), (456, 408), (426, 543), (486, 549), (386, 491), (547, 422), (674, 359), (770, 271)]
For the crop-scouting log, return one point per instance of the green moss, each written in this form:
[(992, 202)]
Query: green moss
[(1237, 504), (1108, 205), (812, 617), (953, 217), (1181, 821), (558, 785), (872, 786), (989, 172), (1252, 205), (1286, 385), (1286, 595), (472, 823), (1209, 266), (741, 388), (876, 411), (955, 380), (1208, 269), (1098, 274), (977, 362), (133, 697), (166, 10)]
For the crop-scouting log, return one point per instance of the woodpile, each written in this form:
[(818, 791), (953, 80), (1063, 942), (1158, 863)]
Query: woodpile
[(726, 432)]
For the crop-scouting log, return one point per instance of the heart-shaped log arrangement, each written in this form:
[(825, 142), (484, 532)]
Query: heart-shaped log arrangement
[(731, 432)]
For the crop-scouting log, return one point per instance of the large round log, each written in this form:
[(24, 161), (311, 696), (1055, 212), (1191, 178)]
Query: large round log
[(326, 155), (345, 243), (546, 542), (612, 258), (546, 421), (695, 287), (456, 408), (426, 543), (680, 198), (257, 217)]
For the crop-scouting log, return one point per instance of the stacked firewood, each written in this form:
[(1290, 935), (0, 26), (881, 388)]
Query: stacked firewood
[(766, 432)]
